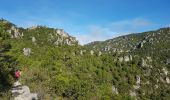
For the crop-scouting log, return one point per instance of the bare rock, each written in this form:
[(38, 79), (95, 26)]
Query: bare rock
[(120, 59), (137, 79), (149, 59), (136, 86), (34, 40), (20, 92), (114, 90), (91, 52), (27, 51), (133, 93), (167, 80), (165, 71), (127, 58), (15, 32)]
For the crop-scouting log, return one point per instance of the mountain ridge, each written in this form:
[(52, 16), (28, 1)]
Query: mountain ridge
[(134, 66)]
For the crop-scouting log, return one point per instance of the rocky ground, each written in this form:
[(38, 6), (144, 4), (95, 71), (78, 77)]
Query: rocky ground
[(21, 92)]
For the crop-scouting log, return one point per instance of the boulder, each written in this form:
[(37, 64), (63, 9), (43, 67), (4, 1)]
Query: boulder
[(27, 51), (91, 52), (114, 90), (126, 58), (165, 71), (120, 59), (133, 93), (137, 79), (34, 40), (167, 80), (20, 92), (136, 86), (15, 33)]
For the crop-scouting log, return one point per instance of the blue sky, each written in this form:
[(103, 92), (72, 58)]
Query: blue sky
[(89, 20)]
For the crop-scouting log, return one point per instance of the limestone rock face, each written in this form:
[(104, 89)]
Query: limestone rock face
[(15, 32), (62, 33), (27, 51), (125, 58), (20, 92)]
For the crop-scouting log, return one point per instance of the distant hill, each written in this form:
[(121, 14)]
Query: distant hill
[(129, 43), (54, 65)]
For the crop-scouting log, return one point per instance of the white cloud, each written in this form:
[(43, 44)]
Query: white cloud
[(95, 33), (129, 25), (113, 29)]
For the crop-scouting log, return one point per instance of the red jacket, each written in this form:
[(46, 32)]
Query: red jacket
[(17, 74)]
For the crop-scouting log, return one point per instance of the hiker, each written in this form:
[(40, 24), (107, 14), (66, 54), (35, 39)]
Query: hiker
[(17, 74)]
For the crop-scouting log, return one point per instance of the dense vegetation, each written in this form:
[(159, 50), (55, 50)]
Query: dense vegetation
[(79, 72)]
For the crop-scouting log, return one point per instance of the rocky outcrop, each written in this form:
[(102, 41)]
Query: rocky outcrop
[(125, 58), (165, 71), (137, 79), (20, 92), (114, 90), (27, 51), (132, 93), (91, 52), (62, 33), (14, 32), (167, 80), (34, 40)]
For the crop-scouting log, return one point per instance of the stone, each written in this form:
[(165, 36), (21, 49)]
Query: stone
[(120, 59), (16, 33), (167, 80), (143, 63), (150, 40), (133, 93), (91, 52), (62, 33), (17, 83), (165, 71), (20, 92), (27, 51), (149, 59), (167, 61), (137, 79), (114, 90), (126, 58), (136, 86), (67, 42), (156, 86), (34, 40)]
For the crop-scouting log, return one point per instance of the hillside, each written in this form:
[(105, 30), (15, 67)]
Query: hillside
[(55, 66)]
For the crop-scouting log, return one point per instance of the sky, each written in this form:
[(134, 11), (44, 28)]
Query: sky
[(89, 20)]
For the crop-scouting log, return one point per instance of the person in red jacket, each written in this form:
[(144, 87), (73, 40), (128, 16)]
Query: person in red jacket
[(17, 74)]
